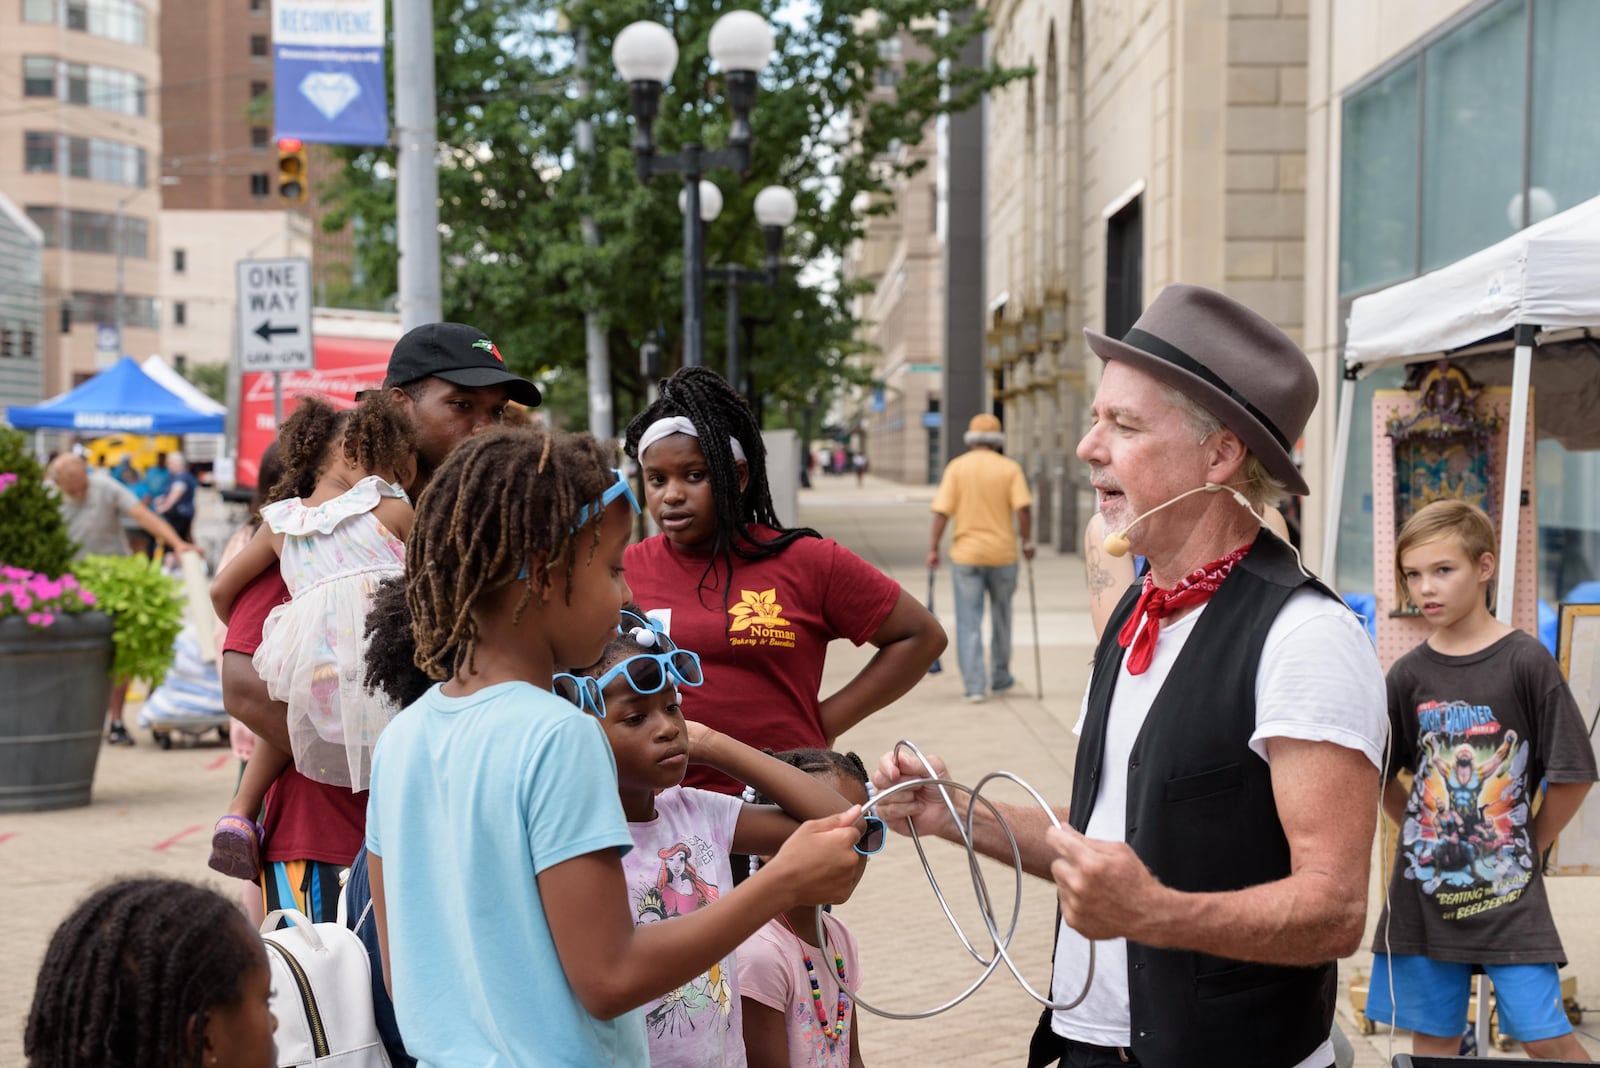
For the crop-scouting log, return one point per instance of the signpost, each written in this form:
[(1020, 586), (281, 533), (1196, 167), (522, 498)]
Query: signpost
[(275, 320), (107, 344)]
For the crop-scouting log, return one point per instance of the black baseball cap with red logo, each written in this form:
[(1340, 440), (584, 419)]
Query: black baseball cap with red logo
[(456, 353)]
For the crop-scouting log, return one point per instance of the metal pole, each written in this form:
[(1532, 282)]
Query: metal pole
[(693, 263), (418, 181), (594, 337), (733, 327), (121, 263), (277, 398)]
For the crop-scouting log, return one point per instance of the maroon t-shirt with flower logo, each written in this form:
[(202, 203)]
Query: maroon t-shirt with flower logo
[(762, 643)]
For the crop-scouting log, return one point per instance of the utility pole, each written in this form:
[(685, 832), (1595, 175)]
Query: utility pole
[(594, 337), (122, 253), (416, 131)]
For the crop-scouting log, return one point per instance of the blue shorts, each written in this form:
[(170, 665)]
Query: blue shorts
[(1434, 994)]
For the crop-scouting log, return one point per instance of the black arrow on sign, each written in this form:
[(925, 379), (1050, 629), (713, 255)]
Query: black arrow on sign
[(266, 330)]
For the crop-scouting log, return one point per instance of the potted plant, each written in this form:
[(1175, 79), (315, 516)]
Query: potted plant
[(55, 648)]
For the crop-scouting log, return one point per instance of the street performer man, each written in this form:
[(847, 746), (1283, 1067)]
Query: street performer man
[(1225, 791)]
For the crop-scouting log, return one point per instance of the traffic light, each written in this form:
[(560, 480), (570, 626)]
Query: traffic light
[(292, 179)]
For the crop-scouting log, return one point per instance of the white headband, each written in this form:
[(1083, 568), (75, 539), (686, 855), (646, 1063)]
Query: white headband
[(678, 424)]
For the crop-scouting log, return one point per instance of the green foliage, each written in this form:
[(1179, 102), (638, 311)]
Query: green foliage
[(146, 608), (33, 535), (512, 188), (210, 379)]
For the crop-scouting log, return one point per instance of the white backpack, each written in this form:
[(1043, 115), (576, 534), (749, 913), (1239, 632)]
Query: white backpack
[(321, 994)]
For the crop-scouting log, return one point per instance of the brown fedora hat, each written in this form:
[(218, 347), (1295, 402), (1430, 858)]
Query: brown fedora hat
[(1230, 361)]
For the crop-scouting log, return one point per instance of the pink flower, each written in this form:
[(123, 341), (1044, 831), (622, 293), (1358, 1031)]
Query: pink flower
[(21, 601), (41, 619), (87, 597)]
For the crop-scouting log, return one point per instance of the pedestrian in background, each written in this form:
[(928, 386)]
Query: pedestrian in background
[(94, 505), (980, 491), (176, 504)]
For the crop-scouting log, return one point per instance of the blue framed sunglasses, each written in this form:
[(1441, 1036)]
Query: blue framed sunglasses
[(619, 488), (646, 673), (874, 838)]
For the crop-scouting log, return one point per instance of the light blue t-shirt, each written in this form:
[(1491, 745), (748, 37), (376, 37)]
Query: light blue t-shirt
[(473, 797)]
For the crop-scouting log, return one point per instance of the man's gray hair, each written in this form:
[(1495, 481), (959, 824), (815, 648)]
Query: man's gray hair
[(1253, 480), (995, 440)]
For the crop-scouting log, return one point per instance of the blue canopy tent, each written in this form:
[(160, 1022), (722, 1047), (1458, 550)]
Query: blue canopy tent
[(122, 398)]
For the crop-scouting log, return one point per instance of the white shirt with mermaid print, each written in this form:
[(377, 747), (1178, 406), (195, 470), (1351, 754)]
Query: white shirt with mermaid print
[(679, 863)]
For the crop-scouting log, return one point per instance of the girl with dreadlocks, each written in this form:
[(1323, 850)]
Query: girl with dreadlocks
[(337, 526), (495, 832), (683, 839), (759, 601), (152, 973), (795, 1013)]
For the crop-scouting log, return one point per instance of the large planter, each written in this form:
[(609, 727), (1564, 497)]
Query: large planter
[(54, 685)]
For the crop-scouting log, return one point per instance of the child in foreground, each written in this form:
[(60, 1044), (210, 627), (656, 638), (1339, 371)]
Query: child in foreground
[(153, 971), (1479, 714), (336, 527), (794, 1012), (495, 833), (683, 837)]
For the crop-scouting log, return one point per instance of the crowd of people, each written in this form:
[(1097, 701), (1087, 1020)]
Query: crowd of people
[(590, 786)]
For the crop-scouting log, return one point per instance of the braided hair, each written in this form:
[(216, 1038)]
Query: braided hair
[(718, 413), (127, 971), (823, 762), (501, 498)]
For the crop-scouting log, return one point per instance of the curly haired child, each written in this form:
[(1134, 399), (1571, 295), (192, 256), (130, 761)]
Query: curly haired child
[(495, 833), (683, 838), (152, 972), (336, 527)]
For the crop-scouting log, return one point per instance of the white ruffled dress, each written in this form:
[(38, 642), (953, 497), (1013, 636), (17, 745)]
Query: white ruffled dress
[(312, 650)]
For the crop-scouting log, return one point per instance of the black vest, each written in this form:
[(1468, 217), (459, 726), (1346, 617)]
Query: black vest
[(1201, 816)]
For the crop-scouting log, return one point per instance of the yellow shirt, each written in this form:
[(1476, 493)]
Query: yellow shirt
[(979, 492)]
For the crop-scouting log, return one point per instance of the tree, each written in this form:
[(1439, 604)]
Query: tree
[(512, 190)]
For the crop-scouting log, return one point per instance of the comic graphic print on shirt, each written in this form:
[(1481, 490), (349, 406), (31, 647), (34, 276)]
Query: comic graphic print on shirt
[(1466, 837), (679, 864)]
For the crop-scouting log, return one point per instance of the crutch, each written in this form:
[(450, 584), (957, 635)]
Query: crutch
[(936, 667), (1033, 610)]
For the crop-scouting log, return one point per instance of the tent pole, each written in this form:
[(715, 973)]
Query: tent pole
[(1511, 502), (1335, 489)]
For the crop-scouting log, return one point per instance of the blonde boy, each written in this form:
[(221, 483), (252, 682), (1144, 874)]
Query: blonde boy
[(1480, 715)]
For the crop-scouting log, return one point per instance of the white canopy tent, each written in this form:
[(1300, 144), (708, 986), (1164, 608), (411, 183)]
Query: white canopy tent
[(1525, 312)]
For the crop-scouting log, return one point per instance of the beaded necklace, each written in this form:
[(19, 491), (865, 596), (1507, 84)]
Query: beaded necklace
[(843, 1010)]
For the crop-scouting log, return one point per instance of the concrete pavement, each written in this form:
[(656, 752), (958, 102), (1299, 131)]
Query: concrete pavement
[(152, 812)]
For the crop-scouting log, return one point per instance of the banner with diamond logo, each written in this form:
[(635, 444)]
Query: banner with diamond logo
[(328, 71)]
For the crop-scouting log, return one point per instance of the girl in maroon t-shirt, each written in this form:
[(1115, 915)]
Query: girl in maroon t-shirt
[(760, 602)]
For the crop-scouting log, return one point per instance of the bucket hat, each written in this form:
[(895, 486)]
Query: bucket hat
[(1229, 360)]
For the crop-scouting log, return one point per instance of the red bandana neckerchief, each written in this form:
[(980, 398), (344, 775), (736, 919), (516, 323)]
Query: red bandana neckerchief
[(1156, 604)]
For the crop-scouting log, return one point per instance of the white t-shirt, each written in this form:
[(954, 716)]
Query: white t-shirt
[(1319, 680)]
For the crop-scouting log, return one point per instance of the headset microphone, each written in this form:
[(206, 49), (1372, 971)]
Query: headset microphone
[(1116, 543)]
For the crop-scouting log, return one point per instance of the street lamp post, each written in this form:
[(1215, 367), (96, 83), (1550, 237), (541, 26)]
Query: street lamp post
[(645, 54), (775, 210)]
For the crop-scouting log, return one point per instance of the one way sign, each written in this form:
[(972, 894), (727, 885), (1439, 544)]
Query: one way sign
[(275, 315)]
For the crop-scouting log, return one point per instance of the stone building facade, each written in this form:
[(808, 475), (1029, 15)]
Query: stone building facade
[(1155, 142)]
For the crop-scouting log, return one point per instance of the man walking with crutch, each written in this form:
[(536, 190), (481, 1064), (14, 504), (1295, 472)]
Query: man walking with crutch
[(980, 492)]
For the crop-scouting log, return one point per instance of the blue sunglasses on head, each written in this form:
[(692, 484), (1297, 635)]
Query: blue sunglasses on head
[(646, 673), (619, 488)]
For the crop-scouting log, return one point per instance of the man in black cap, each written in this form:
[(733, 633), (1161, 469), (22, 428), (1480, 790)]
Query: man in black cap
[(454, 383), (1216, 850)]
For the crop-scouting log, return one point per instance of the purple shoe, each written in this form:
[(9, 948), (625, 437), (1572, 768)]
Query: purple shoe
[(236, 848)]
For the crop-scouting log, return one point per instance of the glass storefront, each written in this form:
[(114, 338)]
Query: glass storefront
[(1458, 143)]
